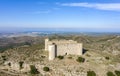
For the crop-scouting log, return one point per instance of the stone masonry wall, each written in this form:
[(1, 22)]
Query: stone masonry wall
[(47, 42), (63, 49)]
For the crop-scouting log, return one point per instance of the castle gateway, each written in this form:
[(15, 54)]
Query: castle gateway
[(62, 47)]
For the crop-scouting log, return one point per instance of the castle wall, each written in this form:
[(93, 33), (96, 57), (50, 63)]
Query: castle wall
[(47, 45), (47, 42), (63, 41), (63, 49), (51, 49)]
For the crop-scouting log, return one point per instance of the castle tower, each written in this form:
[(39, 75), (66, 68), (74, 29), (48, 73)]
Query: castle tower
[(62, 47), (51, 49), (80, 52), (46, 44)]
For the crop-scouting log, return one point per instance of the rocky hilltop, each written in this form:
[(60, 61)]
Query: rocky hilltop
[(27, 57)]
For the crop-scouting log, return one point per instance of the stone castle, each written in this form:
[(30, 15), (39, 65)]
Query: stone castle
[(62, 47)]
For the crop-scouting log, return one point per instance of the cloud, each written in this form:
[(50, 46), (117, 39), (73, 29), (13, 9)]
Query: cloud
[(100, 6)]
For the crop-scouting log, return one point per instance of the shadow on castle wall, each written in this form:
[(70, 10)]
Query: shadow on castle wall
[(84, 51), (55, 50)]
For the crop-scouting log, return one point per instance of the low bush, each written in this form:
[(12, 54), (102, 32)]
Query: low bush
[(80, 59), (4, 58), (91, 73), (9, 64), (110, 74), (46, 69), (107, 58), (117, 73), (60, 57), (33, 70), (21, 64)]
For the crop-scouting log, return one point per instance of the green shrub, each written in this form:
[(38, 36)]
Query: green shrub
[(80, 59), (4, 58), (91, 73), (42, 56), (107, 58), (46, 69), (21, 64), (33, 70), (117, 73), (110, 74), (60, 57), (9, 64)]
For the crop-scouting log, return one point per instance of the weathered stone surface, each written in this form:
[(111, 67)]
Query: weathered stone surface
[(62, 47)]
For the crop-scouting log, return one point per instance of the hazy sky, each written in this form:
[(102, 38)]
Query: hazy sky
[(90, 14)]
